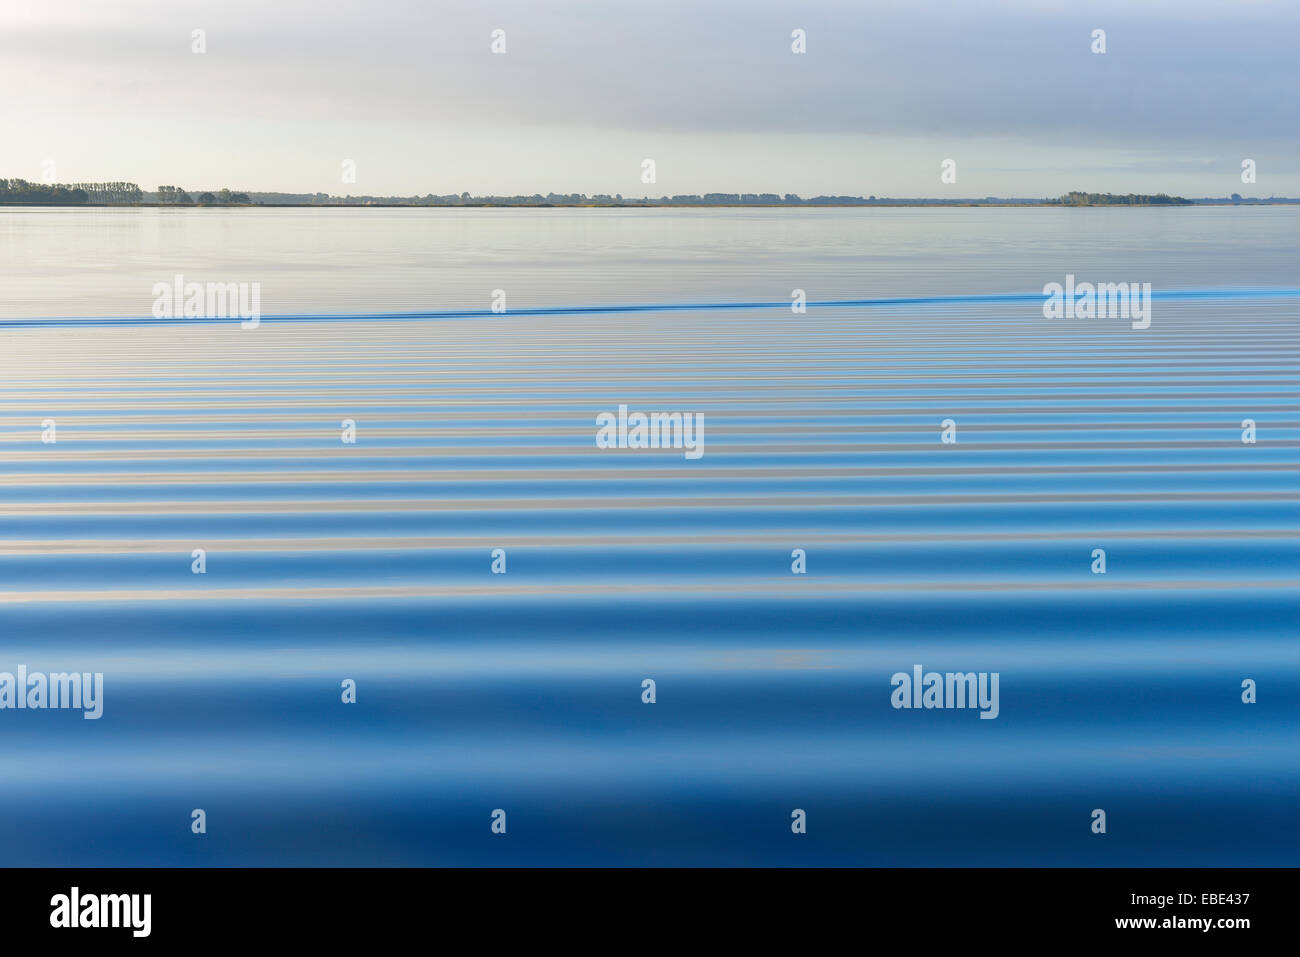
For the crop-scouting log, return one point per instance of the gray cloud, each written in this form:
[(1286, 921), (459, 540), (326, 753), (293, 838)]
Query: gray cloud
[(1194, 82)]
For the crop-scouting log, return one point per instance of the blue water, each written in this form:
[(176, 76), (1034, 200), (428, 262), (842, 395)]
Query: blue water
[(522, 691)]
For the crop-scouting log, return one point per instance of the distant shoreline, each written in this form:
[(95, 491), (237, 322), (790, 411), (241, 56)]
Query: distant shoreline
[(906, 204), (20, 192)]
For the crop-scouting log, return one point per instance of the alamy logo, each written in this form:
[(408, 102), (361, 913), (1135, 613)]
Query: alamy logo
[(102, 910), (214, 300), (948, 690), (1105, 300), (59, 689), (651, 430)]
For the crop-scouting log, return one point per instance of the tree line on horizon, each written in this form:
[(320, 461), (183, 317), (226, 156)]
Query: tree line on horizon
[(605, 199), (21, 191), (1079, 198), (176, 196)]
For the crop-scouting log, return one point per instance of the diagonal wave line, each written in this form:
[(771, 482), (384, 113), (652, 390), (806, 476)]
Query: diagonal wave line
[(1171, 295)]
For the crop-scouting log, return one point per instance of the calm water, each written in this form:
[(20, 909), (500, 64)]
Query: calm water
[(522, 691)]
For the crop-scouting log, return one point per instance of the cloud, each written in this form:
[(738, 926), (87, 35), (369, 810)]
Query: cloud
[(1188, 80)]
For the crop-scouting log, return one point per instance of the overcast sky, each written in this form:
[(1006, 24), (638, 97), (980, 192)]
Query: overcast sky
[(709, 89)]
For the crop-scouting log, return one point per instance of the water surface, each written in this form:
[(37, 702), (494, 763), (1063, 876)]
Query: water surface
[(522, 691)]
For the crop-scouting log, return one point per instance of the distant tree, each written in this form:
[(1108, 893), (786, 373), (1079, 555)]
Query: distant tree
[(1236, 197), (173, 196)]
